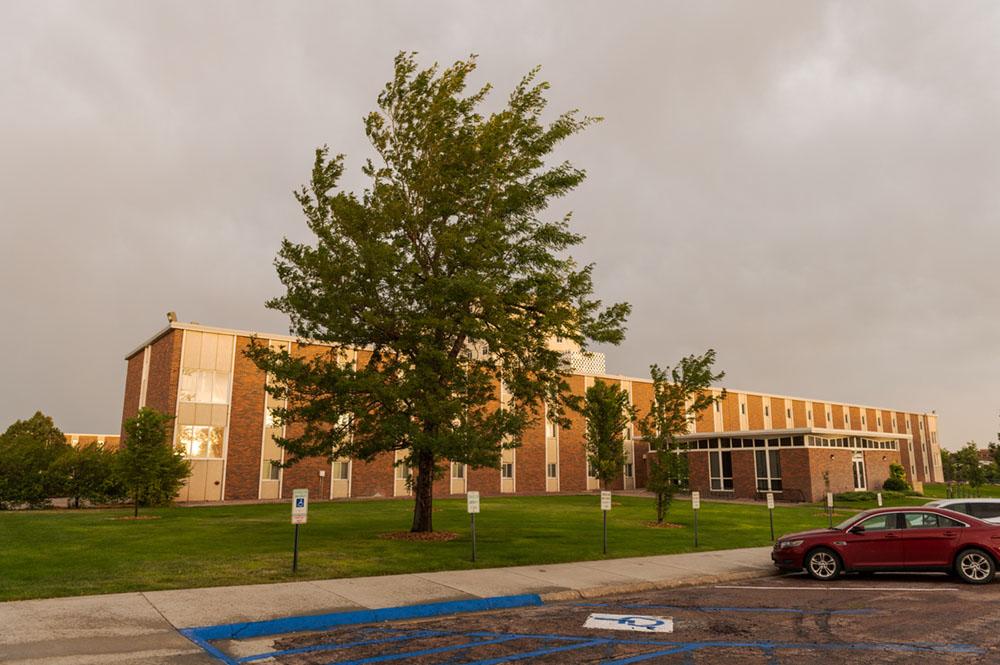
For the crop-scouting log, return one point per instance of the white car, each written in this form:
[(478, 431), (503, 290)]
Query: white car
[(987, 510)]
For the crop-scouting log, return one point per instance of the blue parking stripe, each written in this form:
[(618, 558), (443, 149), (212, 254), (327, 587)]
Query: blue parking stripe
[(653, 654), (310, 622), (327, 646), (425, 652), (539, 652)]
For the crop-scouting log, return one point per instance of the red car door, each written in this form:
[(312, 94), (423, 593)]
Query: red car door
[(877, 544), (929, 539)]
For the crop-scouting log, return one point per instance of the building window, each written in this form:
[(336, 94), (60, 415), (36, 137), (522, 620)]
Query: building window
[(204, 386), (718, 407), (743, 409), (271, 470), (402, 472), (552, 471), (767, 411), (809, 414), (629, 470), (507, 470), (457, 470), (721, 469), (863, 421), (551, 428), (847, 420), (768, 470), (788, 413), (200, 441), (341, 470), (878, 421), (590, 470)]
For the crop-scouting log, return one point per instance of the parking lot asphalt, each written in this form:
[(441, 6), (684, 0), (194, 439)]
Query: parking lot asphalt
[(889, 618)]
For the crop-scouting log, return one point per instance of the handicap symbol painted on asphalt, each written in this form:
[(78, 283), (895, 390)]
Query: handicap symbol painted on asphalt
[(630, 622)]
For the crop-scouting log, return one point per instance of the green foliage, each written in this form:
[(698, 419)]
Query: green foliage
[(150, 470), (87, 473), (966, 465), (947, 465), (608, 413), (28, 450), (896, 482), (448, 267), (679, 395), (869, 498)]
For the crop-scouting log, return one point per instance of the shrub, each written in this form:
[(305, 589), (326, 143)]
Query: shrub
[(896, 482)]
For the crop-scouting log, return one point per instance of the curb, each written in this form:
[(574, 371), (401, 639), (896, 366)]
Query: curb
[(638, 587)]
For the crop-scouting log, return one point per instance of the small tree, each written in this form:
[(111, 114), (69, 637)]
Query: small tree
[(679, 395), (896, 482), (87, 473), (149, 469), (608, 413), (967, 465), (28, 450)]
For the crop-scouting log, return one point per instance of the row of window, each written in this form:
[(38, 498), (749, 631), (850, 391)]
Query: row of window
[(854, 442), (768, 470)]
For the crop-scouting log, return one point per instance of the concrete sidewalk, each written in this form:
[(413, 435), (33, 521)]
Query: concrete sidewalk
[(142, 627)]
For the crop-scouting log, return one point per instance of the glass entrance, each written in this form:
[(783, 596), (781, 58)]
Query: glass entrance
[(860, 483)]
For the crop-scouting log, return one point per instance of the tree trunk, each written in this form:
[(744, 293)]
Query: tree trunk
[(423, 493), (135, 497), (659, 508)]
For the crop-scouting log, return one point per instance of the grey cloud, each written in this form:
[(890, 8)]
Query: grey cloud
[(810, 188)]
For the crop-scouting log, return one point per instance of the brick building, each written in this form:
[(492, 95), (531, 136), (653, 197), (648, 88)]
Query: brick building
[(749, 443)]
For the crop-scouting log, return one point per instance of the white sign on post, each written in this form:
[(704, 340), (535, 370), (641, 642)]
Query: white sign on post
[(770, 501), (695, 500), (472, 502), (829, 499), (605, 500), (300, 506), (879, 498)]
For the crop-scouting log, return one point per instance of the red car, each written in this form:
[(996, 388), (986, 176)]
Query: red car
[(895, 539)]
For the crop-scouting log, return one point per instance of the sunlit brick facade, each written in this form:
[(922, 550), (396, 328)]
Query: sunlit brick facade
[(795, 447)]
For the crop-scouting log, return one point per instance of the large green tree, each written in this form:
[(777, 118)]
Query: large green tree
[(149, 468), (28, 450), (450, 269), (608, 413), (680, 393)]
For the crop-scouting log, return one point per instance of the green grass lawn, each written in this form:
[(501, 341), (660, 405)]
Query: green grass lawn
[(65, 553), (939, 491)]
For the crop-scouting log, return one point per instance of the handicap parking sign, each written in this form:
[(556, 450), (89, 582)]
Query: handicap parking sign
[(300, 506)]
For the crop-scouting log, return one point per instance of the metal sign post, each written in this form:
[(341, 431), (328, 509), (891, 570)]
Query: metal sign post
[(696, 506), (829, 507), (770, 512), (605, 507), (472, 504), (300, 511)]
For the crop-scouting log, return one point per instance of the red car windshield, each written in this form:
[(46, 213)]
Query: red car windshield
[(853, 519)]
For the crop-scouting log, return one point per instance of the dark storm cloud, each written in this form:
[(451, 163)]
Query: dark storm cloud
[(809, 188)]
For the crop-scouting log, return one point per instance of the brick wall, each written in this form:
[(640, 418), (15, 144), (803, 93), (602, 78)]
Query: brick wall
[(133, 387), (246, 426), (572, 455)]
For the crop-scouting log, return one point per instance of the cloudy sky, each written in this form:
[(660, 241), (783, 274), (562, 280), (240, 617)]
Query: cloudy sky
[(812, 189)]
